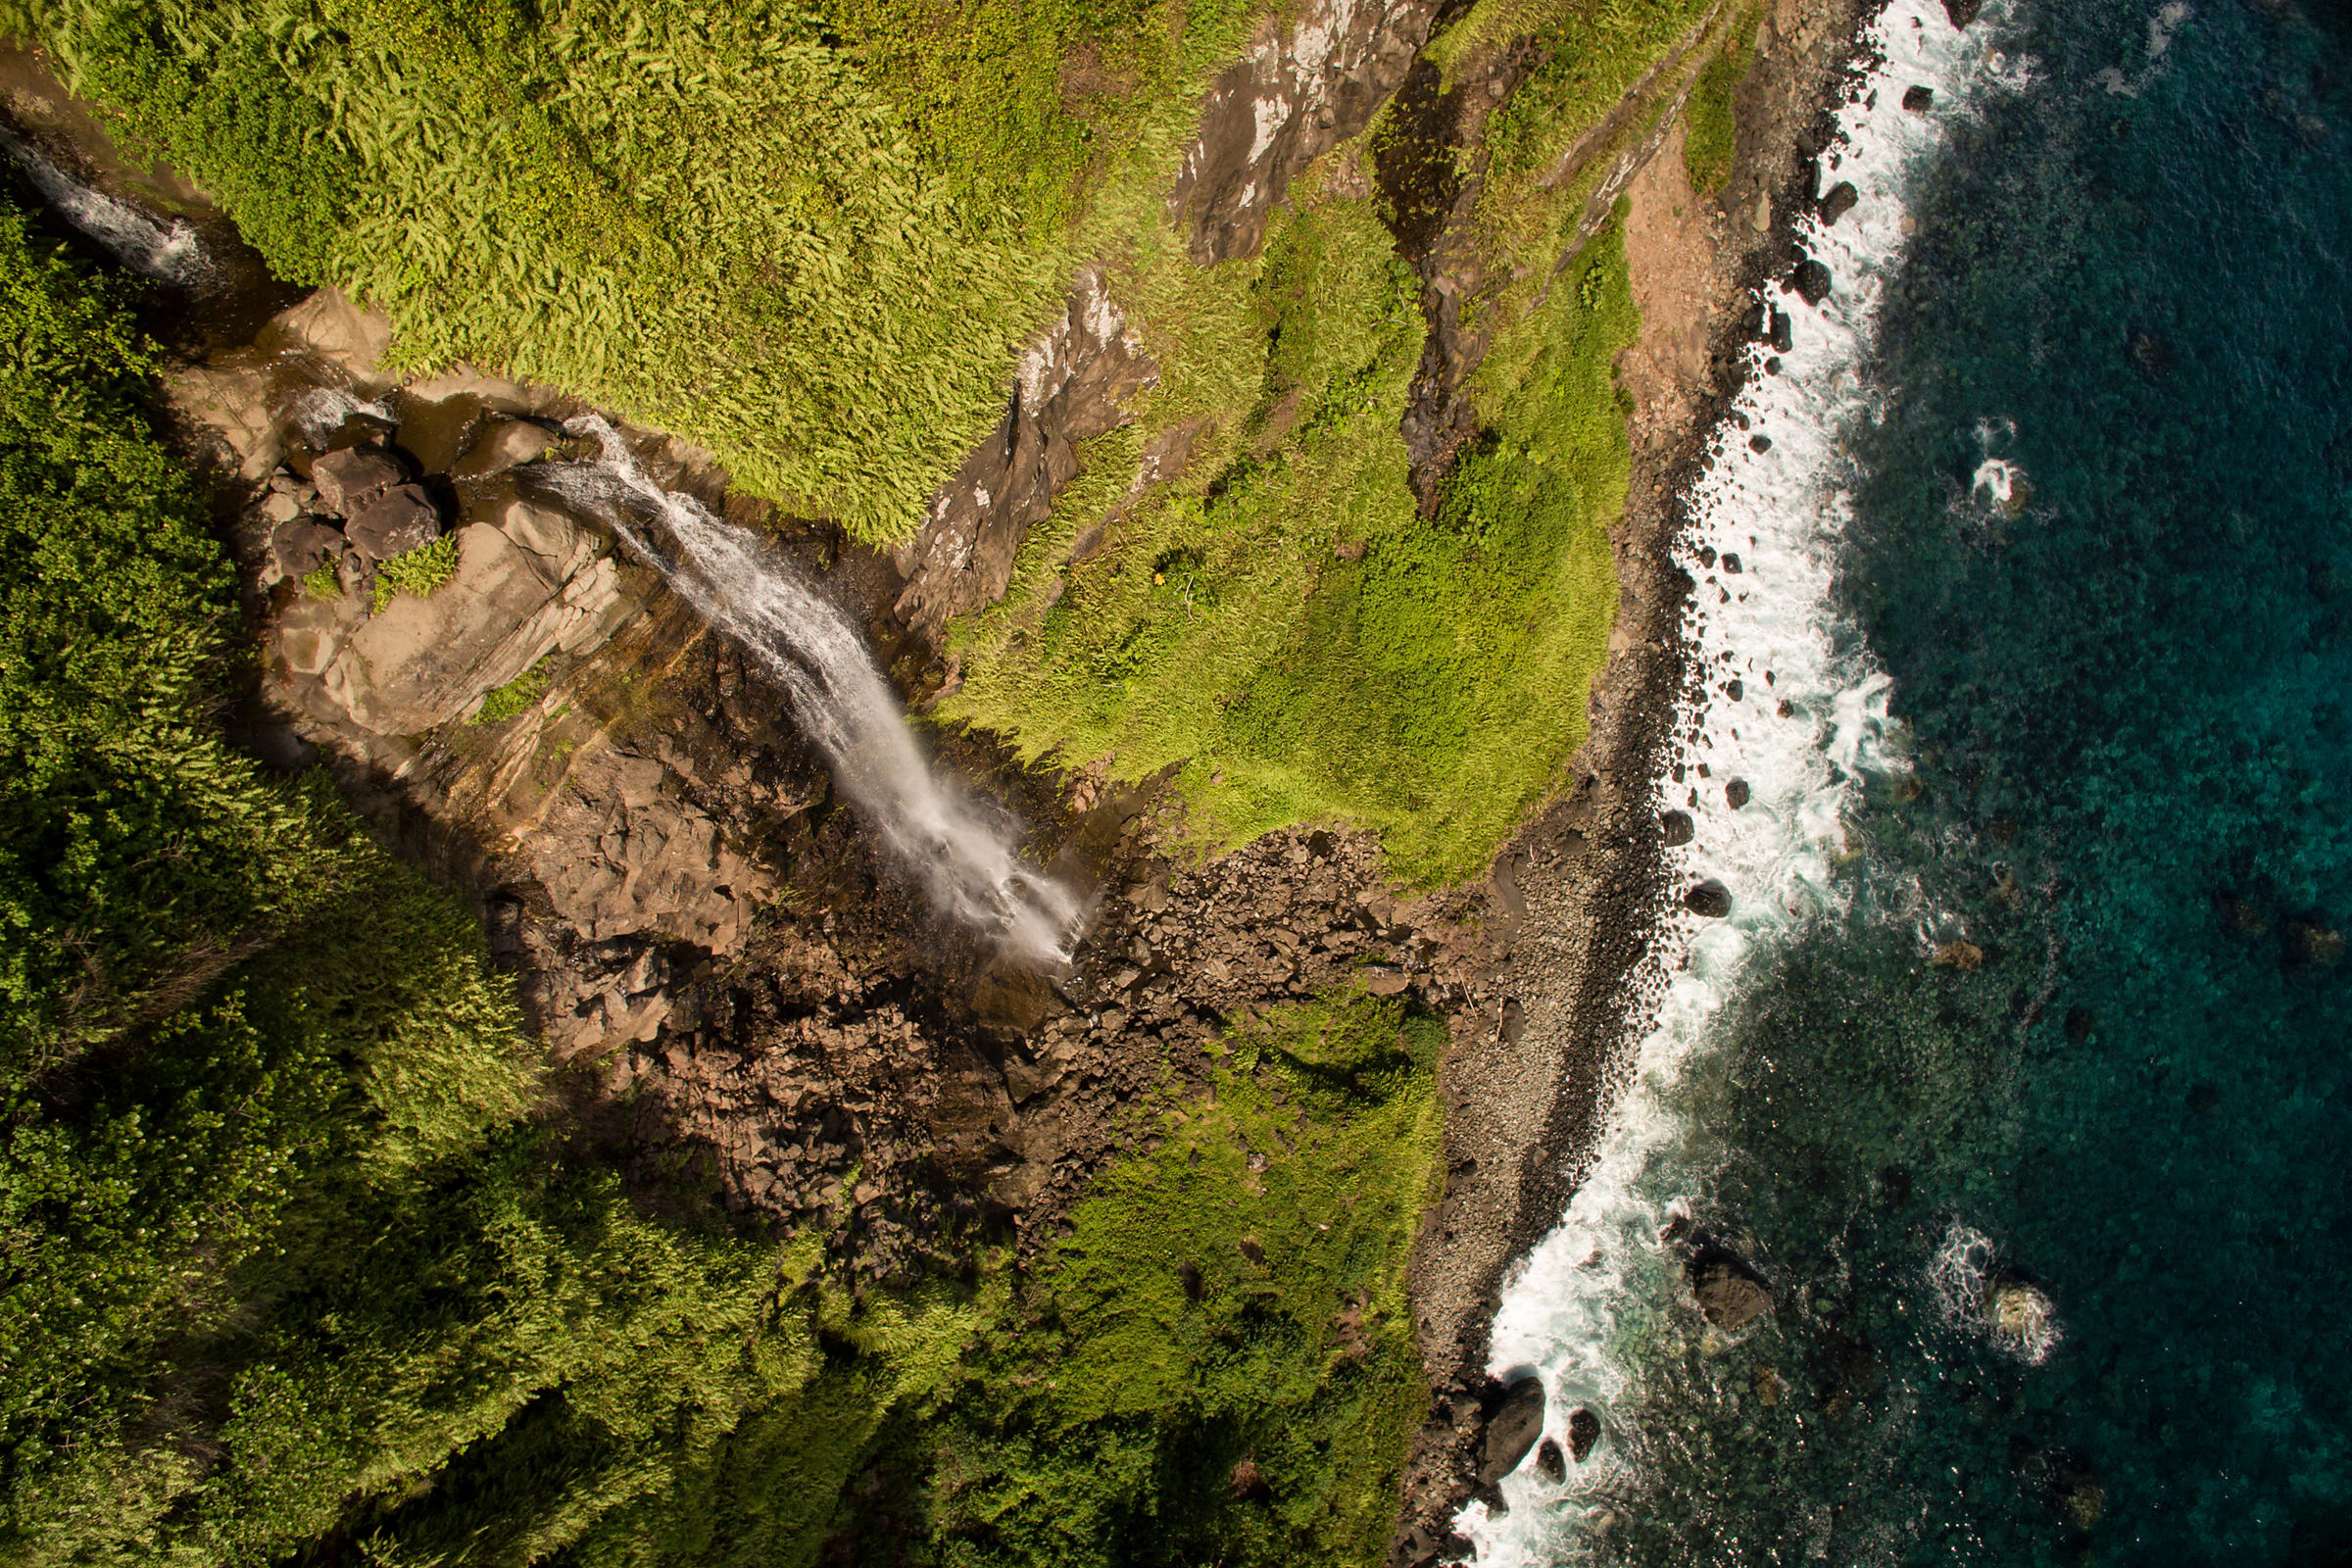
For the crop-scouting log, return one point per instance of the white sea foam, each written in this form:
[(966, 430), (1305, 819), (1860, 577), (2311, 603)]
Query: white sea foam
[(1603, 1282), (169, 252), (1976, 1298), (962, 850)]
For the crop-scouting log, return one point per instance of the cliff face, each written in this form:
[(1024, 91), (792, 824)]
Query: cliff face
[(748, 995)]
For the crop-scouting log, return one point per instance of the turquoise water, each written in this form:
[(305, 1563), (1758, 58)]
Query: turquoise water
[(2127, 704)]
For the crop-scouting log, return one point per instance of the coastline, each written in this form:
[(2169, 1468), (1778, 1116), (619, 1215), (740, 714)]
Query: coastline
[(1578, 891)]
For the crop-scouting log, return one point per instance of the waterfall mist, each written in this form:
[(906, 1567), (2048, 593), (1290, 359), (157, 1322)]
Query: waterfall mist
[(961, 849)]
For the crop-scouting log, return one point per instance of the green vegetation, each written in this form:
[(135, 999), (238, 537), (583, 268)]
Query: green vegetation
[(517, 696), (1220, 1365), (322, 583), (1280, 619), (810, 237), (300, 1262), (1712, 134), (417, 572), (282, 1245)]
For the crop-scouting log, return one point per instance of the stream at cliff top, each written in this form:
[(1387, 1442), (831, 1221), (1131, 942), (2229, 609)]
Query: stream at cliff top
[(2018, 1073), (963, 850)]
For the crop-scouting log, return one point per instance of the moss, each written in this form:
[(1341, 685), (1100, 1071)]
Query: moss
[(322, 583), (517, 696)]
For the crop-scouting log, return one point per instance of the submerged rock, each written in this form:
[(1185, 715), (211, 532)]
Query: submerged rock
[(1512, 1429), (1727, 1290)]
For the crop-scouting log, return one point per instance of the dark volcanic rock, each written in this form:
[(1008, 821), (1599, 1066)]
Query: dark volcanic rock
[(1838, 201), (1583, 1431), (394, 522), (1512, 1429), (1811, 280), (1710, 899), (1678, 827), (1550, 1463), (1300, 92), (1735, 793), (1072, 387), (1783, 335), (1919, 100), (1962, 12)]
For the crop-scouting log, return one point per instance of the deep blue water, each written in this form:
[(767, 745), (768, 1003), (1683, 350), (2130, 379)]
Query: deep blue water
[(2128, 705)]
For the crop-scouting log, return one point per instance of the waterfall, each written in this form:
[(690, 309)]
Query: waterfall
[(961, 849), (169, 254)]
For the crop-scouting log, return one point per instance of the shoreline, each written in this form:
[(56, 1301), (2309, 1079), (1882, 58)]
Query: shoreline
[(1580, 889)]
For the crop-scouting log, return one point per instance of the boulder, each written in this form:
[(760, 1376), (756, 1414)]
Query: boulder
[(1783, 335), (1962, 12), (349, 479), (1551, 1464), (1728, 1294), (394, 522), (1710, 899), (1678, 828), (1512, 1429), (1918, 100), (1735, 793), (1583, 1431), (304, 545), (1811, 282), (1838, 199)]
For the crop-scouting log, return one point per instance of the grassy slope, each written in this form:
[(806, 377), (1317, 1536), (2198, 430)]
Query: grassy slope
[(811, 239), (1433, 689), (1236, 1297)]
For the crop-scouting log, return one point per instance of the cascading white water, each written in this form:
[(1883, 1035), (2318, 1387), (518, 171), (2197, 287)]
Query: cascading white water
[(962, 850), (1765, 524), (168, 253)]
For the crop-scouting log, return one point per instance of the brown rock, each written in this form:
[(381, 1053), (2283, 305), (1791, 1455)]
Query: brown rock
[(303, 546), (393, 523), (1729, 1296), (349, 479), (1512, 1431)]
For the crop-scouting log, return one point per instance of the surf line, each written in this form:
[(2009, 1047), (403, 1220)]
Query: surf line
[(1792, 710)]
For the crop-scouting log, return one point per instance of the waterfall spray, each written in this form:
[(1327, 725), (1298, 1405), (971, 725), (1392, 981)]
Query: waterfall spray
[(962, 850)]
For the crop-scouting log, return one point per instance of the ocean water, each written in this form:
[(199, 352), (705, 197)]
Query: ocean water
[(2020, 1072)]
